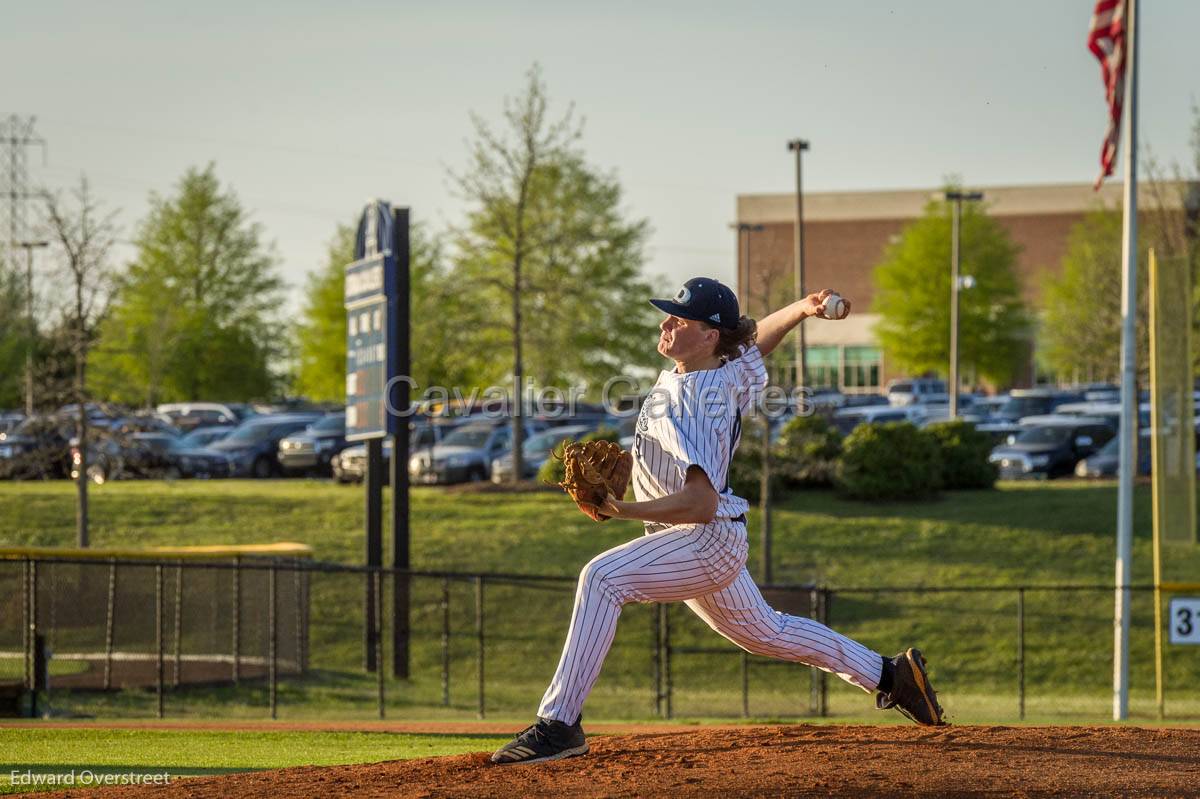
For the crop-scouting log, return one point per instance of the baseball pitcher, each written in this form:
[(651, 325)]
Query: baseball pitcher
[(694, 548)]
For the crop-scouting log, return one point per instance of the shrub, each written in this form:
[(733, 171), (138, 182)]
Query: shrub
[(745, 472), (807, 452), (889, 461), (965, 453)]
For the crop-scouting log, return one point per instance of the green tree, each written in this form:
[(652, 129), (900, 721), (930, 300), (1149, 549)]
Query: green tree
[(194, 316), (547, 255), (14, 337), (321, 331), (912, 297), (1170, 222), (1080, 334), (440, 323)]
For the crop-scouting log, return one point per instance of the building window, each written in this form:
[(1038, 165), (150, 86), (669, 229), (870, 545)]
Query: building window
[(822, 366), (861, 367)]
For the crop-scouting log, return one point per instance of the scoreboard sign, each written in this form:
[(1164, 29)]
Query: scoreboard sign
[(371, 326), (1184, 620)]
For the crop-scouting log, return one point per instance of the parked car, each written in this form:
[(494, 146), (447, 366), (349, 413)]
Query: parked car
[(350, 465), (10, 420), (846, 419), (823, 398), (1110, 411), (1051, 449), (37, 448), (466, 454), (207, 436), (253, 448), (917, 391), (1024, 402), (99, 416), (148, 455), (1002, 432), (987, 406), (188, 416), (1106, 461), (536, 451), (313, 449)]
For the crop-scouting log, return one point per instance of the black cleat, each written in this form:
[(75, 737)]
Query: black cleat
[(911, 692), (545, 740)]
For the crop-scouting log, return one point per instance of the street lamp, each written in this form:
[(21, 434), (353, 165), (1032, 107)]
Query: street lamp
[(956, 197), (798, 146), (29, 247)]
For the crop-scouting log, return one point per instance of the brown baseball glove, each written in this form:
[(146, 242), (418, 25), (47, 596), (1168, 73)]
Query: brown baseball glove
[(593, 470)]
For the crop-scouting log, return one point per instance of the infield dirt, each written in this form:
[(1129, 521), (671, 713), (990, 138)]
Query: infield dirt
[(770, 761)]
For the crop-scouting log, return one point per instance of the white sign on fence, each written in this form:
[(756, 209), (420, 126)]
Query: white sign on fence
[(1184, 620)]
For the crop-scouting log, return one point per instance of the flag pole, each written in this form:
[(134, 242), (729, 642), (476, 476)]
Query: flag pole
[(1128, 375)]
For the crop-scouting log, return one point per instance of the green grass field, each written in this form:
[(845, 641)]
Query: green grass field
[(1019, 534), (189, 753)]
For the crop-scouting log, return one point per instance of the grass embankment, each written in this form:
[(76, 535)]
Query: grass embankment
[(1058, 533)]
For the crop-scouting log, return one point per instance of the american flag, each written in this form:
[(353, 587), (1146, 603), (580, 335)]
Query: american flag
[(1106, 40)]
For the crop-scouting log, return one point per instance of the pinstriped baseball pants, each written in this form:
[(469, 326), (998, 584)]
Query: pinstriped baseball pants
[(705, 567)]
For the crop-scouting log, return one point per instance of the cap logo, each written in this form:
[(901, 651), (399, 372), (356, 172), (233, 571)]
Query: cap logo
[(715, 318), (684, 296)]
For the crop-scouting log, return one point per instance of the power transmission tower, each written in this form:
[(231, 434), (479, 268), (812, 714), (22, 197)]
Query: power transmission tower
[(16, 136)]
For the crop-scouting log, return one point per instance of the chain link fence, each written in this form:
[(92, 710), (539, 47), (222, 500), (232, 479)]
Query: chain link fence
[(257, 637)]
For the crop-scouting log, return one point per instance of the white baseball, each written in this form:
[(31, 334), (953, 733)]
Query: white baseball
[(835, 307)]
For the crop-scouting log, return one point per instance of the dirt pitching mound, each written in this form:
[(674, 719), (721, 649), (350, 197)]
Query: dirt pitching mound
[(771, 761)]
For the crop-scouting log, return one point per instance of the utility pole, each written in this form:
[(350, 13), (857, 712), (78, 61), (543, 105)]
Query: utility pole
[(798, 146), (29, 247), (956, 197), (744, 230), (17, 134)]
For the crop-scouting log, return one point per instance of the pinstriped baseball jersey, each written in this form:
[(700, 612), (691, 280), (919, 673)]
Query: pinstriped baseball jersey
[(695, 418), (692, 419)]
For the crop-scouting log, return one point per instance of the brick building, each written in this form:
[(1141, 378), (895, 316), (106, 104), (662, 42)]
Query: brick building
[(845, 237)]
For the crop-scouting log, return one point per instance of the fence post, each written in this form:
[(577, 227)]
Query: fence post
[(178, 642), (237, 616), (110, 623), (446, 642), (297, 599), (305, 580), (26, 623), (378, 633), (272, 638), (666, 622), (53, 637), (745, 684), (479, 639), (814, 685), (656, 628), (826, 604), (1021, 653), (158, 639)]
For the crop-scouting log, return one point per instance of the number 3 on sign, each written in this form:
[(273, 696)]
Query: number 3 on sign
[(1184, 619)]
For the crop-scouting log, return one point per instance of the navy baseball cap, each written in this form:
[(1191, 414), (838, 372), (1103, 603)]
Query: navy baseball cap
[(704, 300)]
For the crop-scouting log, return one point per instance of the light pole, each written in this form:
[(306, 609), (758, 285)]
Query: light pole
[(798, 146), (957, 197), (29, 247), (744, 230)]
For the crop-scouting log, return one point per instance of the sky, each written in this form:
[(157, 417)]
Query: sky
[(308, 108)]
